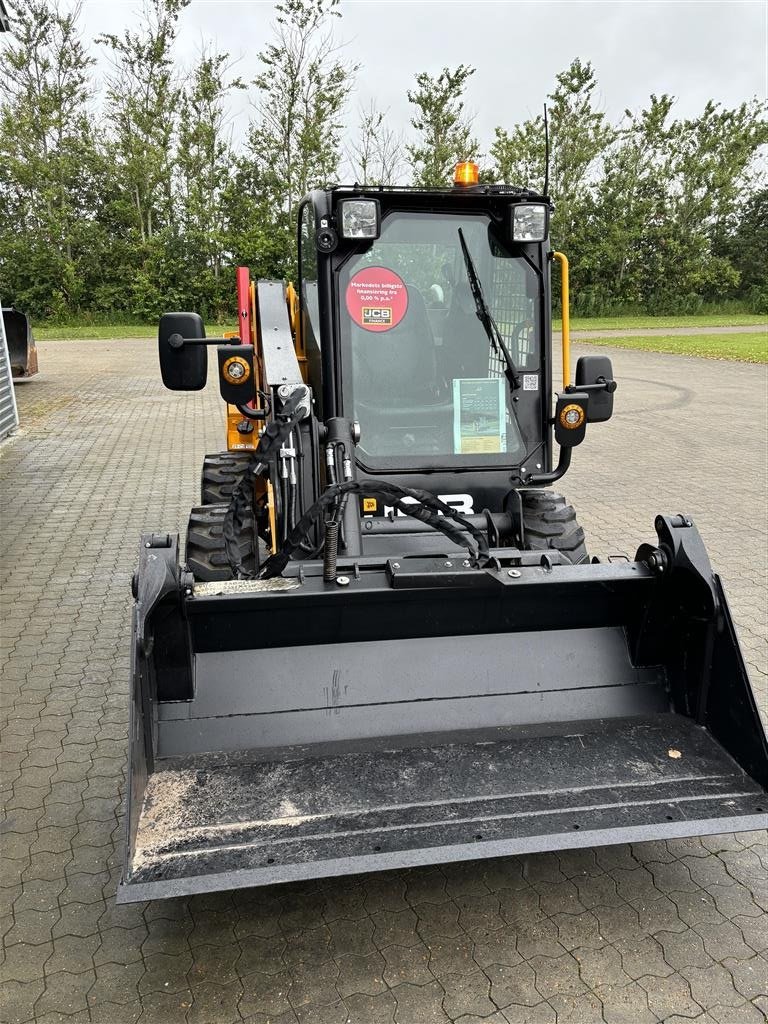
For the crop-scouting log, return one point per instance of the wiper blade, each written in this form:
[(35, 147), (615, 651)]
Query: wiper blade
[(485, 317)]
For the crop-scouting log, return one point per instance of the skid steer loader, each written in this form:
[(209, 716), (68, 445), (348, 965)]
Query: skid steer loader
[(22, 350), (385, 644)]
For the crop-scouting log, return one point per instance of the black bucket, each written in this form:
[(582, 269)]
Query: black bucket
[(291, 728), (21, 344)]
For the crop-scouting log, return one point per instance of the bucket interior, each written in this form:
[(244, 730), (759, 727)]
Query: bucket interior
[(323, 745), (209, 821)]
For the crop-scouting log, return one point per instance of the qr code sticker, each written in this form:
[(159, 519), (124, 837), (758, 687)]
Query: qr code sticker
[(530, 382)]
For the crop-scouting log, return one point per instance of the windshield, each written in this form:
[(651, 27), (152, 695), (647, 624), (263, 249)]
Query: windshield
[(425, 378)]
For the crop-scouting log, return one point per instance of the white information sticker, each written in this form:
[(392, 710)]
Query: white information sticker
[(530, 382), (479, 424)]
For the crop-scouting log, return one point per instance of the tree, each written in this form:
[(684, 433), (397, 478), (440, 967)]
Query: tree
[(579, 136), (203, 168), (49, 163), (668, 189), (142, 101), (445, 130), (295, 138), (714, 160), (743, 240), (630, 212), (376, 155)]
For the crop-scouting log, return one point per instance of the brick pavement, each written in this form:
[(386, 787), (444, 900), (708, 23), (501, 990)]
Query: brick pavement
[(672, 932)]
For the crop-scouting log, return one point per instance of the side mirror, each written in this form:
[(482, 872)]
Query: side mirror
[(594, 374), (183, 367)]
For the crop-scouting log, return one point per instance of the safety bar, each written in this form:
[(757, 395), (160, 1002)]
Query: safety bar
[(562, 259)]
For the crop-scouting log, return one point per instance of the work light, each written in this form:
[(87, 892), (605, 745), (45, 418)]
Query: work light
[(359, 218), (529, 222)]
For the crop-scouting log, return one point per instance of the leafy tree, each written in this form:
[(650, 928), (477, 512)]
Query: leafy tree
[(49, 162), (668, 188), (257, 236), (742, 239), (295, 138), (630, 212), (655, 212), (142, 100), (579, 135), (445, 129), (202, 172), (376, 155), (714, 160)]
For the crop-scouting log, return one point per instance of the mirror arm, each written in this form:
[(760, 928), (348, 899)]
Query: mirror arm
[(601, 384), (176, 341), (559, 471)]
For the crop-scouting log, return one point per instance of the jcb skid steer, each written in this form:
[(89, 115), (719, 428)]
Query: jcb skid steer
[(385, 643), (21, 343)]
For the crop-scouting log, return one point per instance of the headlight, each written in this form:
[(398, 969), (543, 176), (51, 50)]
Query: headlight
[(360, 218), (530, 222)]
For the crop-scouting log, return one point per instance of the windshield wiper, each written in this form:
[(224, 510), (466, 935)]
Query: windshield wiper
[(490, 326)]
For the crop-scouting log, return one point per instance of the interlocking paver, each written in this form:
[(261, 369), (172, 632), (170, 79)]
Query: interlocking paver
[(513, 985), (674, 931), (750, 977), (266, 993), (670, 995), (580, 1009), (354, 936), (214, 1002), (625, 1004), (467, 994), (399, 928), (452, 956), (407, 964), (363, 1009), (264, 955), (360, 974), (420, 1002), (498, 948)]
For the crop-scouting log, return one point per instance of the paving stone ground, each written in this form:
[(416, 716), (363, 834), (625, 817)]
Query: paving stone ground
[(667, 931)]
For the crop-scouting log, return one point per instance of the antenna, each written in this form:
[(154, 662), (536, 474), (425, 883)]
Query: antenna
[(546, 152)]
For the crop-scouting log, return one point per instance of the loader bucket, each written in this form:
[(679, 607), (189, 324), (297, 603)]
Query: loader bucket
[(431, 711), (21, 344)]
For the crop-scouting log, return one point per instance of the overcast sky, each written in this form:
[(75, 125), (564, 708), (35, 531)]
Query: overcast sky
[(695, 50)]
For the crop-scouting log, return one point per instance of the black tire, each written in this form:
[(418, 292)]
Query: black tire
[(205, 555), (220, 474), (550, 523)]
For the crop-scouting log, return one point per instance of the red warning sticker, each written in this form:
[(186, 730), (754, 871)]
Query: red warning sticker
[(377, 299)]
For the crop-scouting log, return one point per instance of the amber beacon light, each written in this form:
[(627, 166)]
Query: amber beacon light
[(466, 173)]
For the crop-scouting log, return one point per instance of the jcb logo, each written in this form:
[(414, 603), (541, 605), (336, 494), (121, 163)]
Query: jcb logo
[(463, 503), (377, 314)]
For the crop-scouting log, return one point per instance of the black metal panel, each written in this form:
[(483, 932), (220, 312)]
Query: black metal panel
[(330, 693), (300, 817), (140, 747), (307, 726), (731, 710), (567, 597)]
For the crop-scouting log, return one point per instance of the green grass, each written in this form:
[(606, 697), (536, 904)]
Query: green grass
[(628, 323), (748, 348), (46, 332)]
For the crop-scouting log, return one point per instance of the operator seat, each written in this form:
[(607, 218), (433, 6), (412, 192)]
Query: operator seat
[(395, 367)]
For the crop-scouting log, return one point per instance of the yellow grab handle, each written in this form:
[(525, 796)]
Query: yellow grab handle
[(562, 259)]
